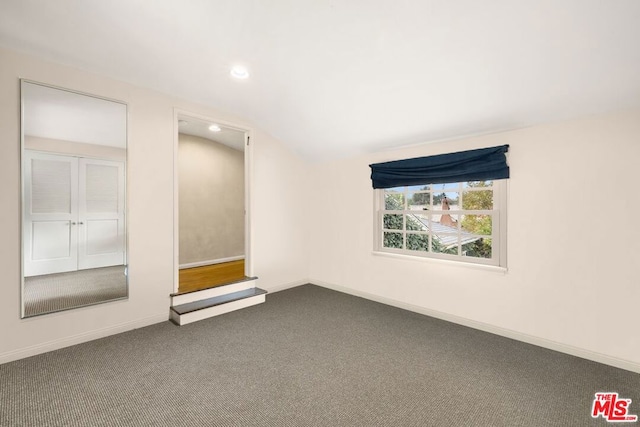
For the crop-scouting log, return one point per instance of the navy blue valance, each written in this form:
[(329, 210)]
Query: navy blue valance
[(473, 165)]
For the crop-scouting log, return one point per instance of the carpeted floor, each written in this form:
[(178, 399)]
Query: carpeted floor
[(308, 357), (62, 291)]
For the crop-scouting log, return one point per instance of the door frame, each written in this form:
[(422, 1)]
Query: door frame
[(248, 185)]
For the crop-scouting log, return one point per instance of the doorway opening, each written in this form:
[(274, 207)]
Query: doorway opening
[(212, 198)]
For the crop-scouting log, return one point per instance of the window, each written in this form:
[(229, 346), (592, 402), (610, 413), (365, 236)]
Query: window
[(460, 221)]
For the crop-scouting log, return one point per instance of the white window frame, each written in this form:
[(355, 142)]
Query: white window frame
[(498, 234)]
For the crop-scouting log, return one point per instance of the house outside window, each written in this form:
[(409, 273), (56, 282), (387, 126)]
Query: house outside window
[(461, 221)]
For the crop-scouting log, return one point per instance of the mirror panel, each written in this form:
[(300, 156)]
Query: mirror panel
[(74, 154)]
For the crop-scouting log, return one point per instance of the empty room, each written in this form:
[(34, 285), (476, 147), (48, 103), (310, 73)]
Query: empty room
[(319, 213)]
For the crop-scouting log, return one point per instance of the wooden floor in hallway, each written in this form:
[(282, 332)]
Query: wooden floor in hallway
[(208, 276)]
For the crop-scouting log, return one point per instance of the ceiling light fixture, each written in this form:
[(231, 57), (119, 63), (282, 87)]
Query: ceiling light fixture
[(239, 72), (214, 128)]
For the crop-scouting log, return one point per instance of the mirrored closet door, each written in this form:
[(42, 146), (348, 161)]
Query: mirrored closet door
[(73, 199)]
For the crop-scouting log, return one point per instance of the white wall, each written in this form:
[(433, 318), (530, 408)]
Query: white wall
[(279, 250), (57, 146), (571, 283), (573, 232), (74, 148)]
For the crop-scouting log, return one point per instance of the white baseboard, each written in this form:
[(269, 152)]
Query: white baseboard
[(45, 347), (210, 262), (508, 333)]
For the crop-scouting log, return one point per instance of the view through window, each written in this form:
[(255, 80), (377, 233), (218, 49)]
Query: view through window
[(458, 221)]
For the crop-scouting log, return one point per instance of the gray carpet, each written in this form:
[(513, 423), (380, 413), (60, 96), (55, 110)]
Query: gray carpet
[(62, 291), (308, 357)]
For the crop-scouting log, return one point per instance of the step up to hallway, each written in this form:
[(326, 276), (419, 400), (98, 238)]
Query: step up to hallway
[(199, 305)]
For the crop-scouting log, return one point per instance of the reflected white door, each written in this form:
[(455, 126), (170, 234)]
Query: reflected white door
[(74, 213), (101, 213), (50, 214)]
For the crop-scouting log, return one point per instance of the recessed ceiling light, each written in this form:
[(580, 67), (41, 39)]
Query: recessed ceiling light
[(214, 128), (239, 72)]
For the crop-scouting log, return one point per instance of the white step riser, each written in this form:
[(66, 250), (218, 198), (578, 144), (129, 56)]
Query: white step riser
[(217, 310), (212, 292)]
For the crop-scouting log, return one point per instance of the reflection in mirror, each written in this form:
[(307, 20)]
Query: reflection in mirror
[(211, 176), (73, 199)]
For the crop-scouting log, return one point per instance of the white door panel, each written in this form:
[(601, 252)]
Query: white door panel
[(51, 240), (102, 237), (103, 244), (50, 213), (51, 248), (101, 213)]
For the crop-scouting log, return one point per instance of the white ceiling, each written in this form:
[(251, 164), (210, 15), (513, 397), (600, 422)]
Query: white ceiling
[(336, 78)]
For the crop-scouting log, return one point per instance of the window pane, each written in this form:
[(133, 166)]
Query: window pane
[(477, 224), (418, 201), (480, 248), (417, 222), (445, 223), (446, 200), (444, 244), (394, 190), (476, 184), (392, 222), (418, 242), (393, 201), (413, 188), (392, 240), (453, 186), (477, 200)]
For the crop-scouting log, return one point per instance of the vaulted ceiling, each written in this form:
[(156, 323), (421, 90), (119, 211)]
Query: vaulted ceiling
[(333, 78)]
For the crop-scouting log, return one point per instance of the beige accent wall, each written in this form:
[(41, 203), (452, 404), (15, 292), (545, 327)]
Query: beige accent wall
[(211, 194)]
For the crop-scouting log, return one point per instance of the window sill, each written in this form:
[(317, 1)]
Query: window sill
[(493, 268)]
